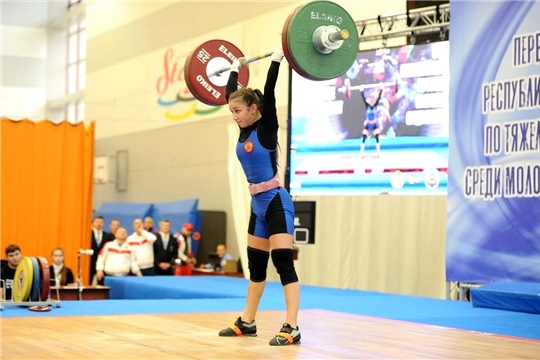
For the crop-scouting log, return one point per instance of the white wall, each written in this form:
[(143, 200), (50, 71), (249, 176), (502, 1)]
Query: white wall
[(109, 15), (33, 59), (393, 244), (56, 64), (389, 244), (24, 54), (24, 42)]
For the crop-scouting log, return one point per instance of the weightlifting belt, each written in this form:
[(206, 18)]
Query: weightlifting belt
[(273, 183)]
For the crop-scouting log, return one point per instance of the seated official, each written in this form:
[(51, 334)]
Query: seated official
[(165, 249), (7, 273), (117, 258), (221, 251), (60, 274)]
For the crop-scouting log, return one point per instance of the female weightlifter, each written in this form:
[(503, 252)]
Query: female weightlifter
[(271, 224)]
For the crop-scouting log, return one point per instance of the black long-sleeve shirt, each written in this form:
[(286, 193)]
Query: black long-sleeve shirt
[(267, 126)]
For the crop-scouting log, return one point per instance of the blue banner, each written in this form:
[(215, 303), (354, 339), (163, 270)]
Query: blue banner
[(494, 160)]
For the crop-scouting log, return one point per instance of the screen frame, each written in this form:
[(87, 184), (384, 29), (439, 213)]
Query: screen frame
[(287, 181)]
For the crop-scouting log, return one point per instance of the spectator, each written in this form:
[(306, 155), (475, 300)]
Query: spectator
[(165, 249), (149, 225), (184, 244), (117, 258), (113, 226), (142, 243), (99, 239), (7, 273), (60, 274), (221, 251)]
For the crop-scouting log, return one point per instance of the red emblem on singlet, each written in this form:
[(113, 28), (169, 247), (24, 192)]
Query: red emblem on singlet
[(248, 146)]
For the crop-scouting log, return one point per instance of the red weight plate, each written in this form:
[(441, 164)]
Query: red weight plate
[(45, 278), (285, 32), (40, 308), (286, 49), (284, 38), (205, 59), (192, 87)]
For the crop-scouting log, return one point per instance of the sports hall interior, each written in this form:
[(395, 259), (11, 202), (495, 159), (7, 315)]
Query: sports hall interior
[(373, 284)]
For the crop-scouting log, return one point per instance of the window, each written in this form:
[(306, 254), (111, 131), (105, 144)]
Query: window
[(76, 68), (81, 106), (76, 57), (75, 112), (71, 113)]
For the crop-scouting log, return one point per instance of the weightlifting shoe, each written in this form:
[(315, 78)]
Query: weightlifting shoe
[(240, 328), (286, 336)]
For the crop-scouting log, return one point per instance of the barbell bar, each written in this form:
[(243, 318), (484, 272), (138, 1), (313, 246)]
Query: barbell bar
[(250, 60), (319, 40), (323, 44), (345, 88)]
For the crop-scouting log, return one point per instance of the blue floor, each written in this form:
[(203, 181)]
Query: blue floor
[(454, 314)]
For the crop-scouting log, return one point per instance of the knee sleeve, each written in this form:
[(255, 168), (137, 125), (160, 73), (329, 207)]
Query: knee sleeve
[(258, 262), (364, 138), (377, 137), (283, 261)]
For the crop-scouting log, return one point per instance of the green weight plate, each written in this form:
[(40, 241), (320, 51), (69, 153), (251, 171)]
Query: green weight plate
[(302, 54)]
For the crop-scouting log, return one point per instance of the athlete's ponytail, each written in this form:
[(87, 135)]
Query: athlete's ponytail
[(249, 96), (260, 96)]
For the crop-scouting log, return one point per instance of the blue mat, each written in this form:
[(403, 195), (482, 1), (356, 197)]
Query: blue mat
[(177, 212), (172, 287), (453, 314), (124, 212), (507, 295)]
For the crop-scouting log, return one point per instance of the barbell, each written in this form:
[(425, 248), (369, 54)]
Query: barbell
[(319, 40), (347, 88), (32, 280)]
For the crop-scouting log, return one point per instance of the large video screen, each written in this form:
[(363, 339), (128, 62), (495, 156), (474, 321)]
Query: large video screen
[(380, 128)]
